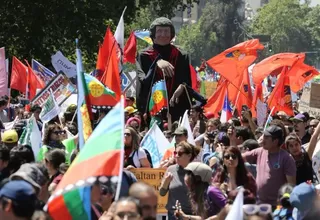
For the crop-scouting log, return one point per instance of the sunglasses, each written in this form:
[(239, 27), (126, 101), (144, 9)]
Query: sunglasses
[(230, 156), (127, 134), (59, 132), (252, 209), (180, 153)]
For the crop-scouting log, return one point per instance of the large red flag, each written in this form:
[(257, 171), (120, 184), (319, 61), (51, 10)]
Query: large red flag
[(104, 54), (274, 64), (130, 49), (232, 62), (280, 98), (18, 75), (215, 102), (33, 83), (194, 78), (111, 75)]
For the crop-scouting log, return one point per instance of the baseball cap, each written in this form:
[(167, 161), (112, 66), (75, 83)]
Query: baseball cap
[(180, 130), (200, 169), (302, 196), (19, 191), (130, 109), (9, 136), (299, 117), (30, 173), (273, 131)]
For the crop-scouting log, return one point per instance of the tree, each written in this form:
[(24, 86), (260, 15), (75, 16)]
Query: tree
[(285, 22), (37, 29), (215, 31)]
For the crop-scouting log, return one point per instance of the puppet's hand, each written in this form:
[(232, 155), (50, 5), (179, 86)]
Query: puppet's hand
[(166, 67)]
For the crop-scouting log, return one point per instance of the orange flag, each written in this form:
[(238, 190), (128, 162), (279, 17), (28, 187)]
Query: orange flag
[(215, 102), (18, 75), (232, 62), (280, 97), (299, 74), (273, 64)]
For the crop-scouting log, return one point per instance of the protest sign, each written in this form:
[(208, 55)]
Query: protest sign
[(61, 89), (50, 109), (153, 177), (315, 95), (304, 104), (61, 63)]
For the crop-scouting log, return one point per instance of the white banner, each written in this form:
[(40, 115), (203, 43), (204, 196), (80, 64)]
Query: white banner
[(3, 73), (61, 63)]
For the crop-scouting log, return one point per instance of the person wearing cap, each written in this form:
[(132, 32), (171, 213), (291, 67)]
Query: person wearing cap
[(170, 64), (275, 166), (10, 138), (305, 201), (209, 199), (181, 134), (18, 200), (301, 128)]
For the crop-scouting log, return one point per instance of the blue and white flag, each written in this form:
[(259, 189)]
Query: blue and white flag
[(156, 143), (42, 72)]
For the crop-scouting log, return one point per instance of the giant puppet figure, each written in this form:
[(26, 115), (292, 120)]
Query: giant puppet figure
[(169, 63)]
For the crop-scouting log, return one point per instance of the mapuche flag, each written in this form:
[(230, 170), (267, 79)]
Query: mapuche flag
[(159, 98)]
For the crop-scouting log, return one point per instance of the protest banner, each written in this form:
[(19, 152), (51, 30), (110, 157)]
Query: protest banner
[(153, 177), (50, 109), (61, 88), (304, 104)]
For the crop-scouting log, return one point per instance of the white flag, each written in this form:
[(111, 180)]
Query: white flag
[(61, 63), (186, 124), (156, 143), (236, 211), (119, 34)]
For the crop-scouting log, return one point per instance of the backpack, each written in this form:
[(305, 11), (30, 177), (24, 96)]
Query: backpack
[(130, 159)]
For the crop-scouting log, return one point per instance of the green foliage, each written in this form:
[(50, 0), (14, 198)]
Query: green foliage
[(293, 27), (214, 32)]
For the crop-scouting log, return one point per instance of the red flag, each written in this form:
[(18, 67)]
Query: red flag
[(280, 97), (104, 54), (111, 76), (193, 78), (18, 75), (33, 83), (215, 102), (130, 49), (274, 64), (232, 62)]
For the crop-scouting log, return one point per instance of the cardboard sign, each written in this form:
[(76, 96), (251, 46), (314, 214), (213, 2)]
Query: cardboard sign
[(315, 95), (61, 88), (153, 177), (304, 104), (210, 88)]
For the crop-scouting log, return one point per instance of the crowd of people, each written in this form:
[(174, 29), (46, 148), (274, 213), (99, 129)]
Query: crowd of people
[(272, 164)]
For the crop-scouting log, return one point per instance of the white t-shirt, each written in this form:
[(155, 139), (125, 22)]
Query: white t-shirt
[(138, 155)]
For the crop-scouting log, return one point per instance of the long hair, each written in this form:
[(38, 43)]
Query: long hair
[(198, 194), (292, 137), (242, 173), (135, 139), (48, 132)]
